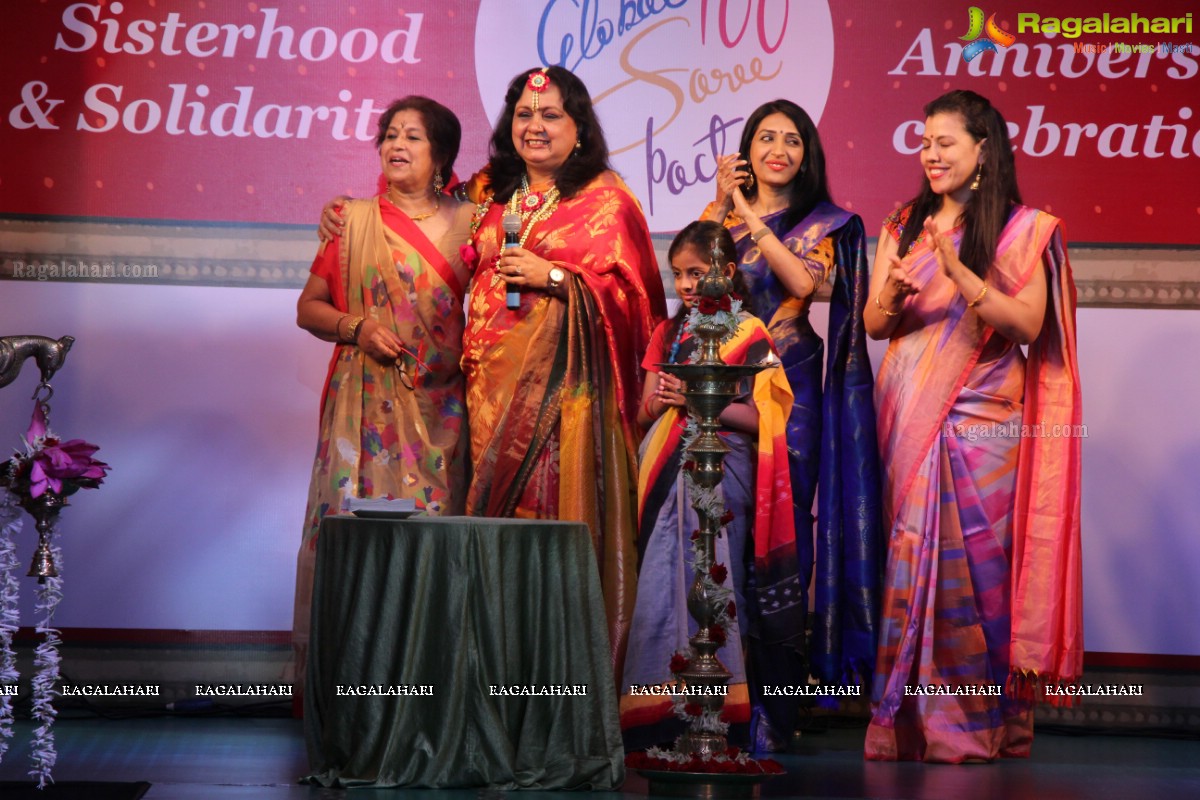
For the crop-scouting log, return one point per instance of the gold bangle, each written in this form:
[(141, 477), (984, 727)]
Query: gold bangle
[(337, 327), (354, 329), (883, 310), (761, 234), (982, 292)]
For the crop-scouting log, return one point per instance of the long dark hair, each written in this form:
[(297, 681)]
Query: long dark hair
[(441, 126), (585, 163), (810, 186), (987, 209), (701, 235)]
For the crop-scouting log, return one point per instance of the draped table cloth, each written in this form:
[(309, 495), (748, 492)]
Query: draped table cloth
[(459, 652)]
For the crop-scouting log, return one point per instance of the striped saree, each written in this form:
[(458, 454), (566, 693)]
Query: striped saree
[(756, 489), (982, 590)]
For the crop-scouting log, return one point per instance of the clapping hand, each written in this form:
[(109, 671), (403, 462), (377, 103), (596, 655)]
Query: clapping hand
[(731, 177), (670, 391), (943, 249)]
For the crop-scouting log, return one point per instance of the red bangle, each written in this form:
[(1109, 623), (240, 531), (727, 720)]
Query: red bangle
[(646, 406)]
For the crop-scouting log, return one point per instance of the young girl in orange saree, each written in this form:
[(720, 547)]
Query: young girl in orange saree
[(758, 539)]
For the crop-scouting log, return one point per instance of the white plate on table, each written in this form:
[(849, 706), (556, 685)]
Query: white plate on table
[(371, 508)]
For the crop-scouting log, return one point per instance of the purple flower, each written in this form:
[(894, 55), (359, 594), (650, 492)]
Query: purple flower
[(60, 467)]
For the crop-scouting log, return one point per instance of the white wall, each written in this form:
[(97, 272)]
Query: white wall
[(204, 400)]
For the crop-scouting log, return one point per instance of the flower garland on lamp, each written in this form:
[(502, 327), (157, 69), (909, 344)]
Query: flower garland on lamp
[(38, 480), (701, 756)]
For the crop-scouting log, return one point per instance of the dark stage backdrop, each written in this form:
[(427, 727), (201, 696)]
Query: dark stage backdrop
[(237, 111)]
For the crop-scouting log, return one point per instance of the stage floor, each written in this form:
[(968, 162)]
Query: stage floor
[(227, 758)]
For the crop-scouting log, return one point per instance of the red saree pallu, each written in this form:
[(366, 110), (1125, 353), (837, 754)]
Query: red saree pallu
[(983, 578), (553, 386)]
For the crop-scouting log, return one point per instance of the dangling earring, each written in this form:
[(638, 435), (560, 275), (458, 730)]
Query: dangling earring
[(978, 177), (578, 147), (438, 186), (749, 179)]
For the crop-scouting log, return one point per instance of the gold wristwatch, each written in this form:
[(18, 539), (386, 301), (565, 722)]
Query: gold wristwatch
[(554, 279)]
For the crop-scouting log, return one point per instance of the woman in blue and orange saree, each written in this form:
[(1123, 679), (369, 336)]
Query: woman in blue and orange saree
[(755, 491), (982, 605), (388, 292), (556, 326), (773, 195)]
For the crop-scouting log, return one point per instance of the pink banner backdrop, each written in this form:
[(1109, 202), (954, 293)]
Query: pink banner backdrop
[(223, 111)]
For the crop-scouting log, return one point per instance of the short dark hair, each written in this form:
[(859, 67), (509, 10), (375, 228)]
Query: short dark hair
[(810, 186), (441, 125), (506, 167)]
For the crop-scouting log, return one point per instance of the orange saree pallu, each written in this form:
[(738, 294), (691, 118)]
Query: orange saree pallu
[(553, 386), (983, 586), (756, 491), (388, 430)]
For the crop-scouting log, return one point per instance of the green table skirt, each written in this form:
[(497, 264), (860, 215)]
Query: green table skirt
[(459, 652)]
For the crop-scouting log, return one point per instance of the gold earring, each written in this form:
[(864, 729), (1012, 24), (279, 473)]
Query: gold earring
[(438, 186), (978, 177), (749, 179)]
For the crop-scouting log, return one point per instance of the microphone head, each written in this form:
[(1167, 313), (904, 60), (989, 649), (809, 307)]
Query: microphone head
[(511, 223)]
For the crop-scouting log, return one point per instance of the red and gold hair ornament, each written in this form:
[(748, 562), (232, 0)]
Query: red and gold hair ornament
[(537, 83)]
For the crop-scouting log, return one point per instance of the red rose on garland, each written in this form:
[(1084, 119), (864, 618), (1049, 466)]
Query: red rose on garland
[(708, 305), (679, 662), (718, 573)]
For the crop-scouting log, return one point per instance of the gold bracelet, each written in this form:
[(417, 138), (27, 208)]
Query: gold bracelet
[(982, 292), (337, 327), (883, 310), (354, 329), (761, 234)]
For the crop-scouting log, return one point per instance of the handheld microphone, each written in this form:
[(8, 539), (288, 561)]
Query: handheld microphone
[(512, 238)]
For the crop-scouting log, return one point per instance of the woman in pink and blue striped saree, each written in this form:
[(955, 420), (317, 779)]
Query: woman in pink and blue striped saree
[(982, 605)]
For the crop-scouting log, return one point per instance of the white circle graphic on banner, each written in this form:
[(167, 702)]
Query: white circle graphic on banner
[(673, 80)]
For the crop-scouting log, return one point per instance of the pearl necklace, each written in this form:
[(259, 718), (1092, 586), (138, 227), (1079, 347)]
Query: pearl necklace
[(532, 207)]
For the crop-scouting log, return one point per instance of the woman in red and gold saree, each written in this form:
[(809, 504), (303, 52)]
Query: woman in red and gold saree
[(389, 292), (982, 602), (552, 384)]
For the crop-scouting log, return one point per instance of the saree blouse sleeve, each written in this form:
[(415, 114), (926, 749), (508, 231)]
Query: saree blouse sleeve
[(657, 349), (327, 267), (818, 261), (895, 222)]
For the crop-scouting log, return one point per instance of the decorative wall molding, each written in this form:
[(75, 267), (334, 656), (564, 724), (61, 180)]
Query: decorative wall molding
[(279, 257)]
